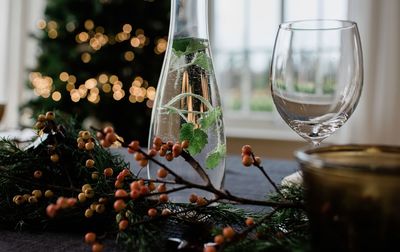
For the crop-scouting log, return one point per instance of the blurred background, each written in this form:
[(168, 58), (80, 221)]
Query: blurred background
[(100, 60)]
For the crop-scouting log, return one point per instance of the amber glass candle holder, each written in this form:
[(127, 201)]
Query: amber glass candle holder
[(353, 197)]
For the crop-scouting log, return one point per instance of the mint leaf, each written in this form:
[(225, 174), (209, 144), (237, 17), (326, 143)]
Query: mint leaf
[(185, 46), (197, 138), (186, 132), (215, 156), (210, 117), (198, 141), (203, 61)]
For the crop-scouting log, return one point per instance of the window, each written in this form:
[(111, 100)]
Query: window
[(243, 36)]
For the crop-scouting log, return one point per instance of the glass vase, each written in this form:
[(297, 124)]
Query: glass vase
[(187, 104)]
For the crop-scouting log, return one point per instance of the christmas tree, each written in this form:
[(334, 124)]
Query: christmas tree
[(101, 59)]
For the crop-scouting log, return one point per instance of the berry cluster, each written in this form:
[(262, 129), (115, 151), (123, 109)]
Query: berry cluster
[(248, 157), (31, 198), (228, 234), (44, 122), (107, 136), (90, 238), (61, 203)]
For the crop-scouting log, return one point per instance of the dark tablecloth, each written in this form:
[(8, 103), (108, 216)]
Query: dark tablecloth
[(246, 182)]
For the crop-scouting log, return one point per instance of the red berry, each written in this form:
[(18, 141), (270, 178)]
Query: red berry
[(121, 193), (165, 212), (97, 247), (135, 185), (108, 172), (228, 232), (51, 210), (152, 153), (144, 190), (90, 237), (185, 144), (134, 194), (157, 141), (99, 135), (111, 137), (209, 249), (201, 201), (152, 212), (37, 174), (119, 205), (249, 221), (108, 129), (151, 186), (176, 149), (123, 224), (134, 145), (139, 156), (164, 198), (143, 162), (257, 161), (219, 239), (193, 198), (120, 177), (125, 172), (169, 156), (246, 150), (118, 184), (161, 188), (105, 143), (247, 160), (162, 173)]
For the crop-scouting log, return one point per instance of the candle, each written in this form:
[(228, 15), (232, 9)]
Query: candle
[(352, 197)]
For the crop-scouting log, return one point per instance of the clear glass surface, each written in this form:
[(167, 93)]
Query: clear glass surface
[(188, 99), (316, 75)]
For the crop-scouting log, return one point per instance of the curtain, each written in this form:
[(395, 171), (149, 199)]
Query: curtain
[(377, 117)]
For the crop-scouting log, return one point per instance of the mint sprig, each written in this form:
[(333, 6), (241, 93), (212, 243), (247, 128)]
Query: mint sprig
[(215, 156), (196, 137)]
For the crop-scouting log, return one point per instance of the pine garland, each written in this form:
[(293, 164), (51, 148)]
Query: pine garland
[(50, 184)]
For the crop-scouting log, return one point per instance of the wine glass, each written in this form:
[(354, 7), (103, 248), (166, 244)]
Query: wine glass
[(316, 75)]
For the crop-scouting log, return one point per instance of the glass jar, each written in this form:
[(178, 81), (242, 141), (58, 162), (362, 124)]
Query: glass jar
[(187, 104), (352, 196)]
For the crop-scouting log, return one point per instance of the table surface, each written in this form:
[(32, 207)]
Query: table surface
[(241, 181)]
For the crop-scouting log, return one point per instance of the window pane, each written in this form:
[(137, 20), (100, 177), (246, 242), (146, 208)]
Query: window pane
[(264, 18), (229, 25), (315, 9)]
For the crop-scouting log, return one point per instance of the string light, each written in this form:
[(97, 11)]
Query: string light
[(96, 38), (89, 24), (103, 78), (129, 55), (70, 26), (127, 28), (85, 57), (56, 96), (64, 76), (41, 24)]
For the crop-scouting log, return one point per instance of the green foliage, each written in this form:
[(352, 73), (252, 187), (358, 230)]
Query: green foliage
[(285, 230), (215, 156), (185, 46), (210, 117), (64, 178)]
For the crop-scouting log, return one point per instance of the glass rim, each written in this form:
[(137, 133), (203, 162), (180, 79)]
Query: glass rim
[(334, 25), (307, 156)]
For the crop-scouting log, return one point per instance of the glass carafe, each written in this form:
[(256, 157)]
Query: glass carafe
[(187, 104)]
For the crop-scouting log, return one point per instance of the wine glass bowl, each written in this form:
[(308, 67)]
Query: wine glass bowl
[(316, 75)]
